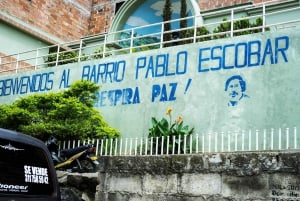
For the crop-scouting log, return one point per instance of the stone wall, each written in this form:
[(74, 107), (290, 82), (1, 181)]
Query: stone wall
[(229, 176)]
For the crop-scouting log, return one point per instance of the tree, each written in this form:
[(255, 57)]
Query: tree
[(67, 115), (183, 22), (167, 14)]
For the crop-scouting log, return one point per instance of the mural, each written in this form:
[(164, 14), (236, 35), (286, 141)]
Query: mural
[(235, 87), (149, 13), (221, 85)]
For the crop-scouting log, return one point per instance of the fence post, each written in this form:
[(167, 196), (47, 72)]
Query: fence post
[(106, 146), (222, 141), (168, 141), (264, 17), (126, 144), (101, 147), (121, 144), (146, 146), (231, 23), (156, 146), (287, 138), (173, 148), (162, 146), (279, 140), (135, 147), (141, 147), (131, 40), (179, 142), (235, 140), (265, 139), (36, 58), (209, 142), (256, 140), (80, 50), (272, 138), (184, 144), (195, 30), (229, 141), (250, 140), (111, 146), (116, 146), (57, 55), (130, 146), (243, 140), (203, 143), (17, 62), (197, 143), (295, 138), (97, 146), (104, 45), (151, 145), (191, 144), (162, 35)]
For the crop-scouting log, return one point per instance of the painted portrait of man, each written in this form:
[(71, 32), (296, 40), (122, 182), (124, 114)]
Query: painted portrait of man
[(235, 87)]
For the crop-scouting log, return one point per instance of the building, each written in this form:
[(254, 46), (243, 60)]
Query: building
[(31, 24)]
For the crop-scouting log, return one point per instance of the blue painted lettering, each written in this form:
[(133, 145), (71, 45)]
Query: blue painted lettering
[(203, 57), (116, 97), (159, 65), (244, 54), (226, 53), (241, 48), (215, 56), (163, 93), (26, 84), (254, 48), (281, 46), (268, 53), (104, 72)]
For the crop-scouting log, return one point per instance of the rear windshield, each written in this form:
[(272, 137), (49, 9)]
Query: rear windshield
[(24, 170)]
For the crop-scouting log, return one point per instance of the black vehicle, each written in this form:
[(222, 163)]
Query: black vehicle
[(79, 159), (27, 171)]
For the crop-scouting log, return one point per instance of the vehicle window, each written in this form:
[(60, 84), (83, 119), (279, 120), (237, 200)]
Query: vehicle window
[(24, 169)]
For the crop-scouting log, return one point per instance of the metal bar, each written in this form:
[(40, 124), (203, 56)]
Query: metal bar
[(57, 55), (146, 146), (80, 50), (256, 140), (131, 40), (116, 146), (162, 145), (272, 138), (197, 143), (287, 138), (231, 23), (279, 139), (295, 138), (264, 17), (111, 147), (130, 146), (121, 143)]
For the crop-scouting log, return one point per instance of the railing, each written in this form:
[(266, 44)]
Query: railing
[(214, 142), (112, 44)]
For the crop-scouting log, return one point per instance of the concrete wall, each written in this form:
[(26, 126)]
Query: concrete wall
[(214, 177), (192, 80)]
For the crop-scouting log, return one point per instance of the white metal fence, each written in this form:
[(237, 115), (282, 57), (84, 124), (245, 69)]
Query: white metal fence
[(110, 44), (250, 140)]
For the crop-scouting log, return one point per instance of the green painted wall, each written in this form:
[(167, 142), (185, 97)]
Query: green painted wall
[(191, 79), (14, 41)]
